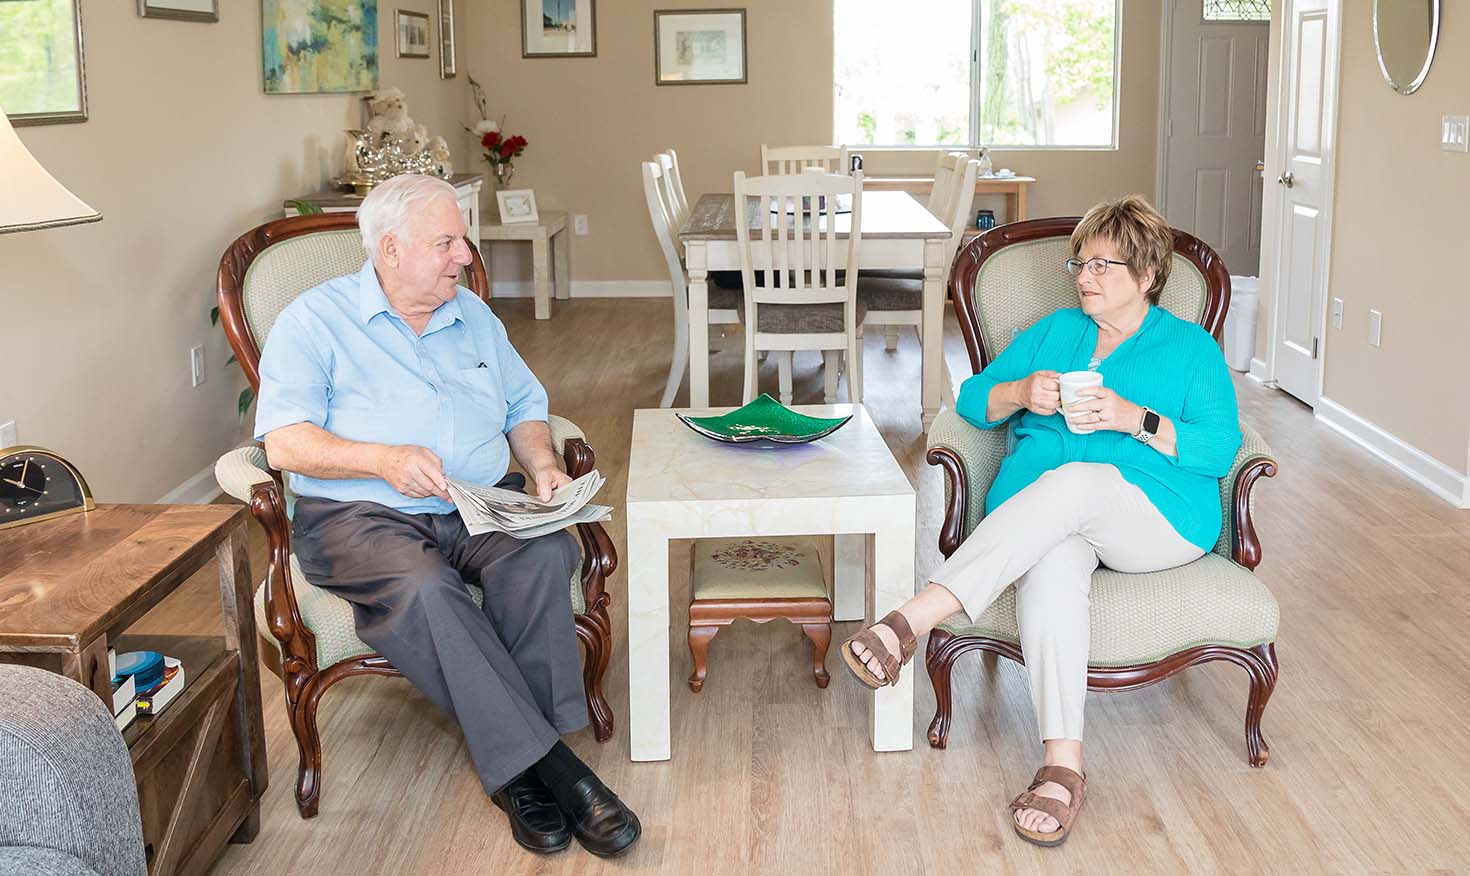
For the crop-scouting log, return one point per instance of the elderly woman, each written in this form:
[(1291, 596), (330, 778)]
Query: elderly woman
[(1127, 477)]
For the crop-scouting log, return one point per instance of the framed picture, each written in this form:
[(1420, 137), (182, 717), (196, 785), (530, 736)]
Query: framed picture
[(517, 206), (699, 46), (42, 77), (182, 10), (448, 57), (413, 34), (558, 28), (312, 46)]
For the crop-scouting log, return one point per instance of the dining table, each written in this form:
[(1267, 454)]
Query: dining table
[(897, 232)]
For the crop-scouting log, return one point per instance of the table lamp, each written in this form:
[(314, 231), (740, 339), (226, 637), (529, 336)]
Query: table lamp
[(33, 198)]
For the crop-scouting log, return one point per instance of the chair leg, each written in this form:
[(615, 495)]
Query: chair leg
[(308, 748), (1263, 671), (940, 662), (855, 372), (821, 636), (831, 371), (890, 338), (751, 365), (783, 374), (699, 639), (594, 630)]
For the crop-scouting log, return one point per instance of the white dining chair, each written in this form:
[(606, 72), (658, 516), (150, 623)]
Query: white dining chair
[(782, 160), (724, 301), (794, 296), (668, 162)]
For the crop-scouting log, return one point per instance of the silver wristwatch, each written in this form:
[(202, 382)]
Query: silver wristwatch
[(1149, 427)]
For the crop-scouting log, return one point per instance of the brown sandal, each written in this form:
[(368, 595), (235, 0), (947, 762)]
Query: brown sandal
[(907, 644), (1064, 813)]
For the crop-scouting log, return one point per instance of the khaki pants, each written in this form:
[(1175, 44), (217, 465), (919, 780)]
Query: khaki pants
[(1047, 540)]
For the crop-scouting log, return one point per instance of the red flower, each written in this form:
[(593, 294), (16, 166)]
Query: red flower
[(490, 140), (507, 149), (518, 142)]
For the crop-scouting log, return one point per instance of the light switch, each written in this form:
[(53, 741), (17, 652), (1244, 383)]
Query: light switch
[(1375, 328), (1337, 313), (1454, 134)]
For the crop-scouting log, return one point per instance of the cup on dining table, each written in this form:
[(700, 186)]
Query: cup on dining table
[(1072, 381)]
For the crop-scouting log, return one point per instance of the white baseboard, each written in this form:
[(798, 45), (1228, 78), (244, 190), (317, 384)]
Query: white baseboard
[(588, 289), (200, 489), (1258, 371), (1440, 479)]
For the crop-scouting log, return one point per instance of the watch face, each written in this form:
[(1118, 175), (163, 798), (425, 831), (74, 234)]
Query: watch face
[(32, 484)]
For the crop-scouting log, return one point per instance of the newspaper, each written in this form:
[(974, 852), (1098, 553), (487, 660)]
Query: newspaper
[(492, 509)]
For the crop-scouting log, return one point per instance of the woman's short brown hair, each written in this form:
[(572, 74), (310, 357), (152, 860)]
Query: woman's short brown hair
[(1142, 236)]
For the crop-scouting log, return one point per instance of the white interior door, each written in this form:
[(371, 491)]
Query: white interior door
[(1215, 132), (1307, 128)]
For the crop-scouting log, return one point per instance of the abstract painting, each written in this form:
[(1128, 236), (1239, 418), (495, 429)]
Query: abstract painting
[(319, 45)]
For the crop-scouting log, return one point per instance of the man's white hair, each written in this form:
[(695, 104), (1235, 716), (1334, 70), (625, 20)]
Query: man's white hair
[(391, 206)]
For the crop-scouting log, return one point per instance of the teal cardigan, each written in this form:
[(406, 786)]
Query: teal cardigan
[(1169, 365)]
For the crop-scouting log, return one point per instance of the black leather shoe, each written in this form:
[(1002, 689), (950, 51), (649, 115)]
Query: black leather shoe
[(600, 821), (535, 820)]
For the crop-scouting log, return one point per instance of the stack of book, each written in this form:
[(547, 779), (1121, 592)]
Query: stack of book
[(143, 683)]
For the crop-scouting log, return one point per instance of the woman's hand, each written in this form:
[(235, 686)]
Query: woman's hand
[(1041, 393), (1099, 409)]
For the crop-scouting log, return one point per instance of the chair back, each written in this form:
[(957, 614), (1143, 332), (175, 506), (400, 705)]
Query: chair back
[(797, 256), (960, 183), (268, 266), (655, 194), (1013, 275), (784, 160), (669, 162), (942, 194)]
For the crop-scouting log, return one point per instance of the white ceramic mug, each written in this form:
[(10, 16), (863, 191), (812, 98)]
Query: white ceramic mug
[(1071, 382)]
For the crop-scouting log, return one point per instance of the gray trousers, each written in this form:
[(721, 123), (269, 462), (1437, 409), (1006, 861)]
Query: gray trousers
[(509, 672)]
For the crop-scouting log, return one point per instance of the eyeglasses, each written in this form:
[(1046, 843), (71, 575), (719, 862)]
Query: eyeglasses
[(1097, 267)]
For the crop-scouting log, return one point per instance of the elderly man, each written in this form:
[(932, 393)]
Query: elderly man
[(374, 388)]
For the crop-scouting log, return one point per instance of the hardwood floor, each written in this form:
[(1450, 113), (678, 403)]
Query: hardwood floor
[(1369, 727)]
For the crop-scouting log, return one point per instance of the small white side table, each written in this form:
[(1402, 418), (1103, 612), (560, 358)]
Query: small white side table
[(545, 246), (466, 191), (683, 485)]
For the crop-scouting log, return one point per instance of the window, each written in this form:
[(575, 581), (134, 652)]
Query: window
[(1027, 73), (1237, 10)]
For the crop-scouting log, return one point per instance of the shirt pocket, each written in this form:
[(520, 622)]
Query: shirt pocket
[(481, 409)]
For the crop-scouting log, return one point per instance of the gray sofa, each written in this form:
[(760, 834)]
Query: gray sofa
[(68, 802)]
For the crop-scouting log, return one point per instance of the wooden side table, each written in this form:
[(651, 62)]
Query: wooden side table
[(542, 236), (1013, 187), (70, 587), (466, 189)]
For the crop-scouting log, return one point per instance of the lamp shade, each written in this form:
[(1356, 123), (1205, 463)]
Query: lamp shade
[(31, 198)]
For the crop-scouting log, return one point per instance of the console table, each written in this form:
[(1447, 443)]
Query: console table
[(70, 588), (466, 190), (1013, 187), (542, 235)]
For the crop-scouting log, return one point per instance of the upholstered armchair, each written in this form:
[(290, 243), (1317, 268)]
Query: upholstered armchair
[(1145, 627), (313, 632)]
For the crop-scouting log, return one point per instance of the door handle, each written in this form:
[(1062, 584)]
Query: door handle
[(1260, 167), (1287, 179)]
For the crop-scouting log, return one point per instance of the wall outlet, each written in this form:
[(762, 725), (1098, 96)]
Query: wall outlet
[(196, 365), (1454, 134), (8, 435), (1337, 313), (1375, 328), (579, 224)]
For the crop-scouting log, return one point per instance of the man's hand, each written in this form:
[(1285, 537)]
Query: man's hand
[(416, 472), (548, 481)]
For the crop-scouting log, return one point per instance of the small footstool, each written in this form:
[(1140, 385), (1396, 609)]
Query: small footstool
[(760, 579)]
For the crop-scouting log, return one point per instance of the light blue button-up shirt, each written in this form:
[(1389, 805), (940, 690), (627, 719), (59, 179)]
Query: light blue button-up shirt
[(340, 358)]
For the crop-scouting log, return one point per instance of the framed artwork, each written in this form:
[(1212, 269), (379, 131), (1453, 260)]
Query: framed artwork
[(448, 57), (517, 206), (311, 46), (558, 28), (699, 47), (181, 10), (42, 77), (413, 34)]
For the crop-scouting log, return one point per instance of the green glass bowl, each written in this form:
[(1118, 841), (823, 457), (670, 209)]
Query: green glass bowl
[(764, 419)]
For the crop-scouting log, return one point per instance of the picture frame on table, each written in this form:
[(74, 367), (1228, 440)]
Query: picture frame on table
[(517, 206), (699, 47), (413, 34), (43, 76), (558, 28), (448, 55), (180, 10)]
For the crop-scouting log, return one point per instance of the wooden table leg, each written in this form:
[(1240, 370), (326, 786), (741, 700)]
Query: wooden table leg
[(561, 254), (932, 336), (541, 276), (233, 559), (695, 259), (89, 666), (1020, 202)]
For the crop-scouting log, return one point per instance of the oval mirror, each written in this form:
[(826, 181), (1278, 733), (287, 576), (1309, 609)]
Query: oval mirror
[(1405, 33)]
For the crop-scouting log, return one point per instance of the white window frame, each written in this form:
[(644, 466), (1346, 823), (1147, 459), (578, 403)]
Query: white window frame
[(976, 29)]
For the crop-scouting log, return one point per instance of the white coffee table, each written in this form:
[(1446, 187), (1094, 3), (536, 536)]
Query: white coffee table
[(683, 485)]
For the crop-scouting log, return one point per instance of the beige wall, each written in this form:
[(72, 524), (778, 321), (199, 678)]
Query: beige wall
[(182, 153), (1398, 236), (591, 121)]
